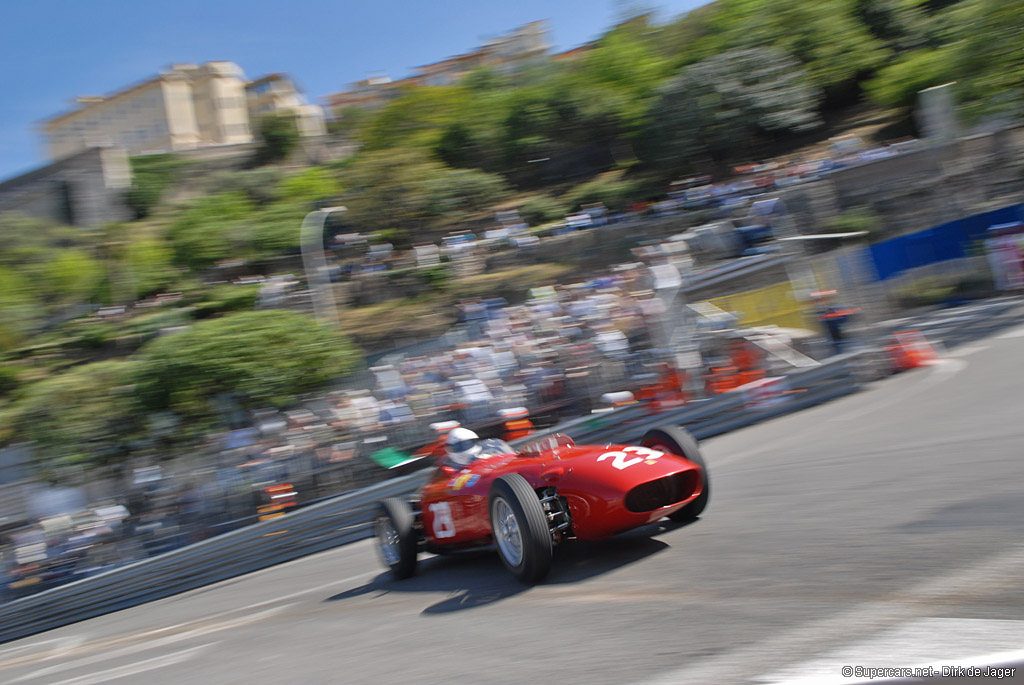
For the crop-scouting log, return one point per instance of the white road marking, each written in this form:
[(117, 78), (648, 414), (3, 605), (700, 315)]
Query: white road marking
[(64, 645), (934, 642), (862, 620), (135, 669), (142, 636), (154, 644)]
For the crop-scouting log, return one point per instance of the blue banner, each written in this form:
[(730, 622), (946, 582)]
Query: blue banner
[(941, 243)]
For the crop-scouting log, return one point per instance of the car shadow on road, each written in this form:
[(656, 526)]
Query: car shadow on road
[(478, 578)]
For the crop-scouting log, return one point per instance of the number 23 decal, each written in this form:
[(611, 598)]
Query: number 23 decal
[(621, 460)]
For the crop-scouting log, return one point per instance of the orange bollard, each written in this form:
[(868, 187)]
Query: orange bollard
[(911, 350), (517, 423)]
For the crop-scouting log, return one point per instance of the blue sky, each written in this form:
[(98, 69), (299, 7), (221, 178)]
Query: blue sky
[(57, 49)]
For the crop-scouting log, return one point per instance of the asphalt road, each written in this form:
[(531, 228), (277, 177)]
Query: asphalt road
[(882, 530)]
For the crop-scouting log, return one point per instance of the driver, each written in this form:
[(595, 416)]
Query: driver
[(461, 447)]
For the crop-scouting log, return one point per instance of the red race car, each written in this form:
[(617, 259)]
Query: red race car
[(551, 490)]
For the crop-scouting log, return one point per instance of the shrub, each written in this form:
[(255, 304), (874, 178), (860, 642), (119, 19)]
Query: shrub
[(279, 136), (259, 358), (438, 277), (9, 380), (151, 175), (612, 193), (855, 220), (222, 299), (541, 210)]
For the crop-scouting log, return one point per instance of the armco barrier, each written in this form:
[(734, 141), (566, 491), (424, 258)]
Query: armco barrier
[(349, 517), (336, 522)]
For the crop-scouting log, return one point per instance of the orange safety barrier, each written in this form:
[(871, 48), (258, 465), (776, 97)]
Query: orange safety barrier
[(749, 376), (282, 497), (749, 362), (910, 350), (667, 392), (517, 428), (722, 379)]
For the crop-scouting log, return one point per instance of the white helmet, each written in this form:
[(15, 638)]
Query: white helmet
[(461, 446)]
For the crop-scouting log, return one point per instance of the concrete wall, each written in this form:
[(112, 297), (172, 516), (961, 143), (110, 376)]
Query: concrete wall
[(85, 189), (931, 186)]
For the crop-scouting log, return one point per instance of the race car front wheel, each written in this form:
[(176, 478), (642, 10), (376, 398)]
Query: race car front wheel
[(396, 537), (679, 441), (520, 528)]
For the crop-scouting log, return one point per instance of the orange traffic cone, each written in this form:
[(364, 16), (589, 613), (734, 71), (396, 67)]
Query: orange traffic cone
[(911, 350)]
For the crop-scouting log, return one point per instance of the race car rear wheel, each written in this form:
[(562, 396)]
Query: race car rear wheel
[(396, 537), (679, 441), (520, 528)]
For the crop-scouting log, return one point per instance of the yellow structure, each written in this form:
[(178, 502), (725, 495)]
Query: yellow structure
[(772, 305)]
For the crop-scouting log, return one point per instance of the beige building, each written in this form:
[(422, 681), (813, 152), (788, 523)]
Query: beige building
[(518, 49), (184, 107), (277, 94), (506, 54), (370, 93), (219, 102)]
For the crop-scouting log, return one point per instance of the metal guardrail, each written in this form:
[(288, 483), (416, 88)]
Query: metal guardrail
[(348, 518), (312, 529)]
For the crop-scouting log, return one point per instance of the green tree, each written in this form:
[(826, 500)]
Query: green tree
[(70, 277), (404, 192), (151, 175), (898, 84), (457, 146), (349, 121), (730, 107), (990, 57), (482, 80), (384, 190), (899, 23), (415, 119), (457, 194), (27, 239), (612, 193), (541, 209), (87, 416), (212, 228), (149, 265), (309, 185), (260, 358), (261, 185), (275, 229), (19, 308), (278, 136), (835, 48)]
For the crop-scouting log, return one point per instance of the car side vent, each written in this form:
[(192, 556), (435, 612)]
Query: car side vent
[(661, 492)]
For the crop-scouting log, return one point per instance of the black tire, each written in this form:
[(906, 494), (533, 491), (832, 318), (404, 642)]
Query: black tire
[(396, 537), (679, 441), (512, 496)]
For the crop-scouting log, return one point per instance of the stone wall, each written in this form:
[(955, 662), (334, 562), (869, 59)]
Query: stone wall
[(85, 189)]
